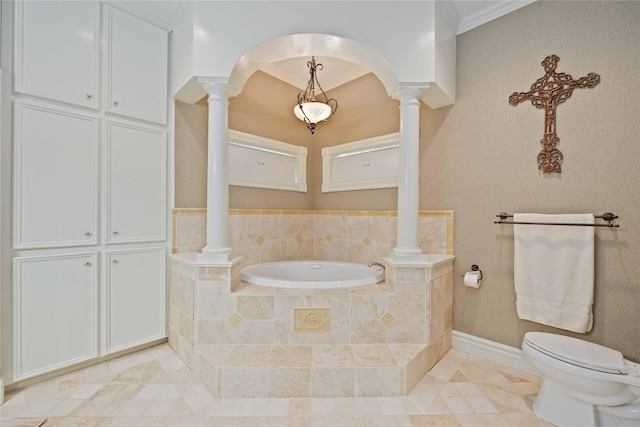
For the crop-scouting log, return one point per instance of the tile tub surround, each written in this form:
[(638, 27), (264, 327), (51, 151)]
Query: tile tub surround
[(279, 235), (404, 324)]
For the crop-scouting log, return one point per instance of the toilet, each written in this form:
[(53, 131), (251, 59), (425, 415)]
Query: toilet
[(583, 384)]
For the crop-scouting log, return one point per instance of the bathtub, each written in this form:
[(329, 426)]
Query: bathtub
[(312, 274)]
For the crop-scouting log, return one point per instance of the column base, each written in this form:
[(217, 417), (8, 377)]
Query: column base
[(406, 251), (217, 250), (215, 255), (408, 256)]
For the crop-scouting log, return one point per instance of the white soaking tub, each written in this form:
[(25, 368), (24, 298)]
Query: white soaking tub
[(312, 274)]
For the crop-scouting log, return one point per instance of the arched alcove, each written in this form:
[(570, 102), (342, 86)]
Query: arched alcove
[(307, 45), (220, 89)]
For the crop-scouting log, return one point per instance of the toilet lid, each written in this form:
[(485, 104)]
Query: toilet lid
[(577, 352)]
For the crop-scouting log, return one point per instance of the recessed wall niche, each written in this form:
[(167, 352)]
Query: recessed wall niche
[(260, 162)]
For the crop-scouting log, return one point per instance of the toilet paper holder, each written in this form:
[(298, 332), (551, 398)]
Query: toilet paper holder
[(475, 267)]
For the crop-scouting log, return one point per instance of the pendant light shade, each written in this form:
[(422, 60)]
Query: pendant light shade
[(314, 111), (310, 110)]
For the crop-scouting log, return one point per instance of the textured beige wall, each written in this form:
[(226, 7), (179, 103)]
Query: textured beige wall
[(478, 158), (191, 154), (265, 108), (365, 110)]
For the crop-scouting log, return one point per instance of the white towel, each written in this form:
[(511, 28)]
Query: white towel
[(554, 270)]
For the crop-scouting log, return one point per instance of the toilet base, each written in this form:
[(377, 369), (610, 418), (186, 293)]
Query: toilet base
[(619, 416), (555, 406), (606, 420)]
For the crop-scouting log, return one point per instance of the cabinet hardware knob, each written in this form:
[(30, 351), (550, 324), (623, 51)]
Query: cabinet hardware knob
[(88, 234), (115, 103), (87, 264), (114, 261), (89, 96), (115, 233)]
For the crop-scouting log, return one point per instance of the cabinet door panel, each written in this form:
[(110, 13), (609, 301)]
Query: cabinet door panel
[(57, 50), (56, 178), (55, 312), (137, 63), (136, 164), (135, 298)]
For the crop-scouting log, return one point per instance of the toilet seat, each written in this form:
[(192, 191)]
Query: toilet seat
[(577, 352)]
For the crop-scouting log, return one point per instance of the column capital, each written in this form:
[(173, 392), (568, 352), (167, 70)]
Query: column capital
[(409, 91), (216, 87)]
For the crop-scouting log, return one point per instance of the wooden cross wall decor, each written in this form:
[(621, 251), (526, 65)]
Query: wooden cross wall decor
[(548, 92)]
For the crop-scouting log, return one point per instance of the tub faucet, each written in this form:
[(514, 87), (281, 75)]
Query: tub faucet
[(371, 264)]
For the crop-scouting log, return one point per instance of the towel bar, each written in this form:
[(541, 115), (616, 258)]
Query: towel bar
[(608, 216)]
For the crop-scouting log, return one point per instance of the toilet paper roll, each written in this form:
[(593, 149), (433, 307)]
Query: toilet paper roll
[(472, 279)]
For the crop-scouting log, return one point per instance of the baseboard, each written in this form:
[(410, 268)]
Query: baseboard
[(496, 352)]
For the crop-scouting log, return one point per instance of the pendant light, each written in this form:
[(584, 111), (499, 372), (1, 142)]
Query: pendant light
[(310, 110)]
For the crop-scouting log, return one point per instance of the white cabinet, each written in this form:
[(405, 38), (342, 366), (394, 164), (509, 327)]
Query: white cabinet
[(57, 57), (55, 307), (136, 183), (56, 177), (89, 169), (55, 311), (135, 297), (137, 63), (57, 50)]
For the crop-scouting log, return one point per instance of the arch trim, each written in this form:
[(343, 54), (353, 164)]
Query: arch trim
[(309, 44)]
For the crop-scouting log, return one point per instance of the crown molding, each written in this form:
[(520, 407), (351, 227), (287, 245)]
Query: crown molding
[(490, 13)]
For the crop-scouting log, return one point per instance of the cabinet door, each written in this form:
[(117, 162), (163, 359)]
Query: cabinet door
[(57, 50), (136, 180), (135, 298), (137, 63), (55, 177), (55, 311)]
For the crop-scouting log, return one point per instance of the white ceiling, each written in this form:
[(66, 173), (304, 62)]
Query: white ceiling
[(473, 13)]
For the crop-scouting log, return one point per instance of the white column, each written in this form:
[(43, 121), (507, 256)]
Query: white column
[(407, 248), (217, 249)]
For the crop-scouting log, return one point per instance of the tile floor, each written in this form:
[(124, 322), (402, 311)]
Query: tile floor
[(154, 388)]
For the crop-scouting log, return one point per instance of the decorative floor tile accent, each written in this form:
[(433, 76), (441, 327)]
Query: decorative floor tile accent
[(235, 319), (387, 320), (311, 320), (260, 240)]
